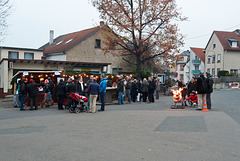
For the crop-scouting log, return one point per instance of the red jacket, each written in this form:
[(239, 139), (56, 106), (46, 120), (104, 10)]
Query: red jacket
[(194, 98)]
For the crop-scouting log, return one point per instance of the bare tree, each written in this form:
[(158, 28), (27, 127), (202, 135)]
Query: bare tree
[(146, 29), (5, 8)]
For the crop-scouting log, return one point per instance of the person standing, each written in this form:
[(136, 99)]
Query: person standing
[(210, 90), (144, 89), (120, 89), (51, 89), (139, 86), (128, 89), (61, 91), (192, 86), (87, 91), (201, 90), (93, 90), (22, 93), (80, 87), (151, 88), (70, 87), (157, 88), (102, 92), (32, 92), (134, 90)]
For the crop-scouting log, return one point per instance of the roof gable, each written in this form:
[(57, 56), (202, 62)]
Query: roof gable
[(68, 41), (200, 53), (225, 38)]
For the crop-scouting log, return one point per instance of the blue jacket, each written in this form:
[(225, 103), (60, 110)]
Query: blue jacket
[(93, 88), (103, 85)]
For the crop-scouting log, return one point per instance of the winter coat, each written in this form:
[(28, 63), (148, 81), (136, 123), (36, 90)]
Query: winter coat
[(61, 88), (134, 89), (144, 86), (199, 84), (22, 88), (103, 85), (93, 88), (129, 84), (210, 84), (78, 88), (32, 89), (151, 85), (70, 87), (191, 87), (157, 87), (51, 86), (139, 85), (194, 98), (120, 86)]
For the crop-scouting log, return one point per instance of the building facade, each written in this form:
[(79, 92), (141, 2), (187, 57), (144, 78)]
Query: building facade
[(182, 67), (223, 52), (197, 61)]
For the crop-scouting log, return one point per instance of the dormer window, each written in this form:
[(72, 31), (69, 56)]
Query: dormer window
[(233, 42)]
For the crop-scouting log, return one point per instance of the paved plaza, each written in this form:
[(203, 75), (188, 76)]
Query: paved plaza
[(129, 132)]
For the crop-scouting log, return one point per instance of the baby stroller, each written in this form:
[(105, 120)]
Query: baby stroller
[(80, 105)]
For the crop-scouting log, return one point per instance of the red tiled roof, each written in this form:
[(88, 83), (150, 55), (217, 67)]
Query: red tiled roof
[(66, 42), (199, 52), (223, 37)]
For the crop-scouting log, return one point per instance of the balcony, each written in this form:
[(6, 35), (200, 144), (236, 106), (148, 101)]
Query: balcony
[(196, 61), (195, 72)]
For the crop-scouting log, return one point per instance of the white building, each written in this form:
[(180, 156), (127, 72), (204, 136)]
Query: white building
[(182, 67), (197, 61)]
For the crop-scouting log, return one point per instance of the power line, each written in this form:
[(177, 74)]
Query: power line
[(209, 34)]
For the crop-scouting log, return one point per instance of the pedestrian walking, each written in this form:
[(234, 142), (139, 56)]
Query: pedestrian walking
[(120, 89), (210, 90), (201, 90), (144, 89), (93, 90), (32, 92), (61, 92), (22, 92), (102, 92)]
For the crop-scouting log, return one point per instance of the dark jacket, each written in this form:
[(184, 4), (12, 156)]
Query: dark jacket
[(61, 88), (93, 88), (191, 87), (70, 87), (79, 88), (23, 88), (144, 86), (32, 89), (200, 88), (134, 88), (51, 86), (210, 84), (151, 85), (129, 84), (139, 85), (120, 85)]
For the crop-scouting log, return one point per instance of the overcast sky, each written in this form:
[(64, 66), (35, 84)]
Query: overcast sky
[(31, 20)]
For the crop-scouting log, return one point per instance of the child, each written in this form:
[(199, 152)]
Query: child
[(193, 99)]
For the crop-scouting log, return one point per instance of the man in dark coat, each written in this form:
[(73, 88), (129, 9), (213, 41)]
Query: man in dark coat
[(120, 90), (201, 91), (151, 88), (80, 87), (22, 93), (192, 86), (93, 89), (32, 90), (70, 87), (210, 90), (61, 92), (134, 90)]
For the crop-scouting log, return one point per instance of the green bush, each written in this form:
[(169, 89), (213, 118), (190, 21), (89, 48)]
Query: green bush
[(222, 73)]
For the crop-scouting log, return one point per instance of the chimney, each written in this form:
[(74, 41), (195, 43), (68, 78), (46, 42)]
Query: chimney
[(237, 31), (101, 23), (51, 37)]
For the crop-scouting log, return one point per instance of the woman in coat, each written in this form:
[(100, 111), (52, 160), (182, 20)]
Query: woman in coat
[(144, 89), (61, 92)]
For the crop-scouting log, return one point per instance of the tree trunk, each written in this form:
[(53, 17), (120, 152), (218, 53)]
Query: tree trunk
[(139, 67)]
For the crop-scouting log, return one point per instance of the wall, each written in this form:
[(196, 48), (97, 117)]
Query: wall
[(37, 54)]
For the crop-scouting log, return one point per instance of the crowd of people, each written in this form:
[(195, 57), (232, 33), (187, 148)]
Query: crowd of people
[(198, 90), (128, 88)]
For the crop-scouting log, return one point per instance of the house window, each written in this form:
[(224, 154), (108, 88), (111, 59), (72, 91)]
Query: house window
[(181, 68), (181, 76), (182, 59), (97, 43), (213, 59), (233, 43), (196, 67), (209, 59), (13, 55), (219, 58), (59, 43), (68, 41), (235, 71), (214, 46), (213, 72), (116, 70), (196, 57), (28, 56)]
